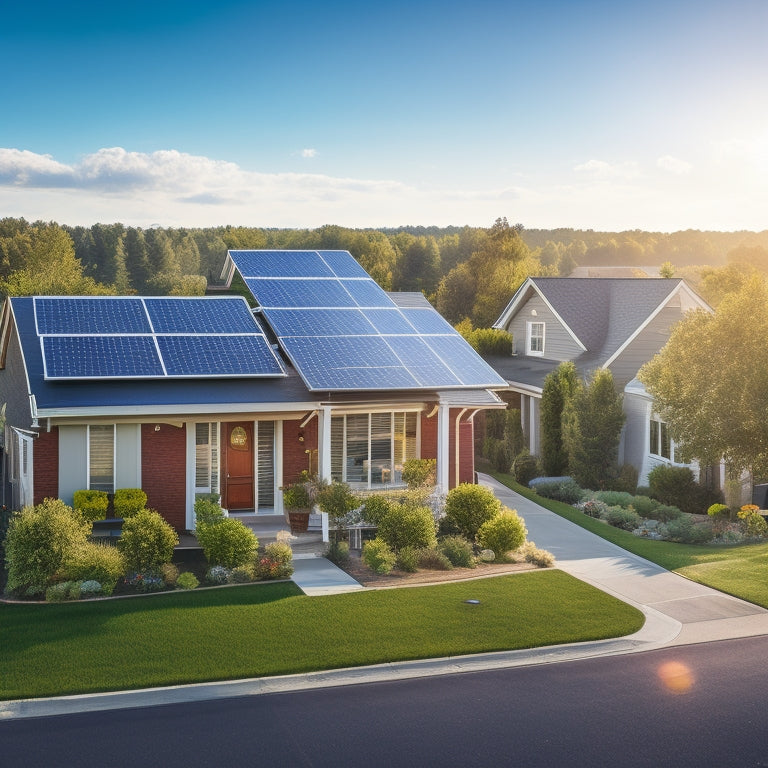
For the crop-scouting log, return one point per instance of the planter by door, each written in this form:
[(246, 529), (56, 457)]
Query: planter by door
[(298, 519), (237, 482)]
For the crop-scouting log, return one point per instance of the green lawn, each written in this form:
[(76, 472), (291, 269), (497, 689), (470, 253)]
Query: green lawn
[(272, 629), (740, 570)]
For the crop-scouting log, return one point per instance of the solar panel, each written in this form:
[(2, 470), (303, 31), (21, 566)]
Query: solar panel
[(343, 264), (428, 321), (196, 356), (74, 315), (388, 320), (280, 264), (366, 293), (299, 293), (423, 364), (471, 369), (315, 322), (100, 357), (220, 315)]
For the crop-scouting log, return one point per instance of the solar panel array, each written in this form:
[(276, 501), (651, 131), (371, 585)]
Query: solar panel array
[(343, 332), (141, 338)]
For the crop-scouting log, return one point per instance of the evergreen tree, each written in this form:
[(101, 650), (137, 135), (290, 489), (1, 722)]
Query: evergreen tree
[(558, 390)]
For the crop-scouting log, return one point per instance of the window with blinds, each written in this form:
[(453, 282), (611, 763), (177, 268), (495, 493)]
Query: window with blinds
[(265, 464), (101, 457), (368, 450), (207, 457)]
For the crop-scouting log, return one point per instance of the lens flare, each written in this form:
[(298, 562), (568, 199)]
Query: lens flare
[(676, 677)]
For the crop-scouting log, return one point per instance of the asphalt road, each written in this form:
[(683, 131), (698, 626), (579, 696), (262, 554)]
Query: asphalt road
[(700, 705)]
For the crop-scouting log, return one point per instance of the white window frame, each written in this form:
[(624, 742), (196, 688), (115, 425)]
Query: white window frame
[(530, 337), (655, 436), (213, 456), (88, 456)]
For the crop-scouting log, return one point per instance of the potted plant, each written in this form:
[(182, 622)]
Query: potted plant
[(298, 500)]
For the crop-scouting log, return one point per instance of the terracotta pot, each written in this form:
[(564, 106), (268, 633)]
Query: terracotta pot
[(298, 519)]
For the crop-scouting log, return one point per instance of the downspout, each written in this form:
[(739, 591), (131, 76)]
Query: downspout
[(443, 447)]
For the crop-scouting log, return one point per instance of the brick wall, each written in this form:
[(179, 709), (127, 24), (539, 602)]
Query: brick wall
[(466, 452), (295, 458), (45, 455), (163, 471), (428, 437)]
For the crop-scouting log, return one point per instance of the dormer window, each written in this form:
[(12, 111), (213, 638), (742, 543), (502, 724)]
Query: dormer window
[(535, 338)]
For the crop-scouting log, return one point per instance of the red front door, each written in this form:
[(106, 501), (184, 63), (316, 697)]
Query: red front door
[(238, 466)]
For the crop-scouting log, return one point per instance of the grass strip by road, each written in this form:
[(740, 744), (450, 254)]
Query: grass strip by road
[(273, 629), (740, 570)]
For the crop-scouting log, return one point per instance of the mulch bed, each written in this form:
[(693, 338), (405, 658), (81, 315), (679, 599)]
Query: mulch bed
[(360, 572)]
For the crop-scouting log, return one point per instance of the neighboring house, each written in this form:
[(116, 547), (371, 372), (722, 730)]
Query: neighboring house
[(613, 323), (184, 396)]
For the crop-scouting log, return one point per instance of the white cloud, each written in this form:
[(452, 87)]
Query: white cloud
[(309, 153), (673, 165), (603, 170)]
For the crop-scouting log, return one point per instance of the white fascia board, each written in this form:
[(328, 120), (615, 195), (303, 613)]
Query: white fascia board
[(525, 389), (159, 411), (228, 271), (681, 286)]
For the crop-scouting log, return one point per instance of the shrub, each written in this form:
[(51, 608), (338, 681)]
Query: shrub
[(719, 510), (408, 559), (407, 526), (217, 574), (38, 543), (207, 511), (170, 574), (145, 581), (642, 490), (567, 491), (498, 452), (56, 593), (626, 519), (95, 561), (458, 551), (752, 522), (685, 531), (242, 574), (664, 513), (90, 588), (446, 526), (469, 506), (147, 541), (337, 501), (532, 554), (645, 506), (418, 472), (378, 556), (433, 559), (128, 501), (525, 467), (677, 486), (187, 580), (227, 542), (626, 479), (276, 563), (375, 508), (614, 498), (92, 505), (593, 508), (338, 552), (502, 533)]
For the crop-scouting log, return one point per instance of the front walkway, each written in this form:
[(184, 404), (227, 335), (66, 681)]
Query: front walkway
[(676, 608)]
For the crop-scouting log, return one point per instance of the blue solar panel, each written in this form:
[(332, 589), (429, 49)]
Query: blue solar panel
[(280, 264), (471, 369), (319, 322), (197, 356), (343, 264), (96, 357), (220, 315), (425, 366), (299, 293), (74, 316), (348, 363), (388, 321), (366, 293), (428, 321)]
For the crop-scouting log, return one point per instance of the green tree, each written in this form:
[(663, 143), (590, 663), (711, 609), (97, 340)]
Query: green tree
[(559, 388), (456, 293), (592, 422), (710, 382), (136, 260)]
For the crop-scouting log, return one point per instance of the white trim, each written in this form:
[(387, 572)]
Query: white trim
[(443, 451), (457, 446), (514, 305), (191, 484), (681, 286), (529, 336), (159, 411)]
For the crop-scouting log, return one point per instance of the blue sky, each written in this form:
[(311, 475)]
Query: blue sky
[(594, 114)]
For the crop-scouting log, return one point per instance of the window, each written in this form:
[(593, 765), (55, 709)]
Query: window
[(661, 444), (265, 464), (535, 338), (207, 457), (101, 457), (368, 449)]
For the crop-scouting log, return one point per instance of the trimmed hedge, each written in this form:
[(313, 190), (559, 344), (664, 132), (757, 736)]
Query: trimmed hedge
[(468, 506), (128, 501), (92, 505), (147, 541)]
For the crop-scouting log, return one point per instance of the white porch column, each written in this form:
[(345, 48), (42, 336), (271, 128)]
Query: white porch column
[(443, 448), (324, 443)]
